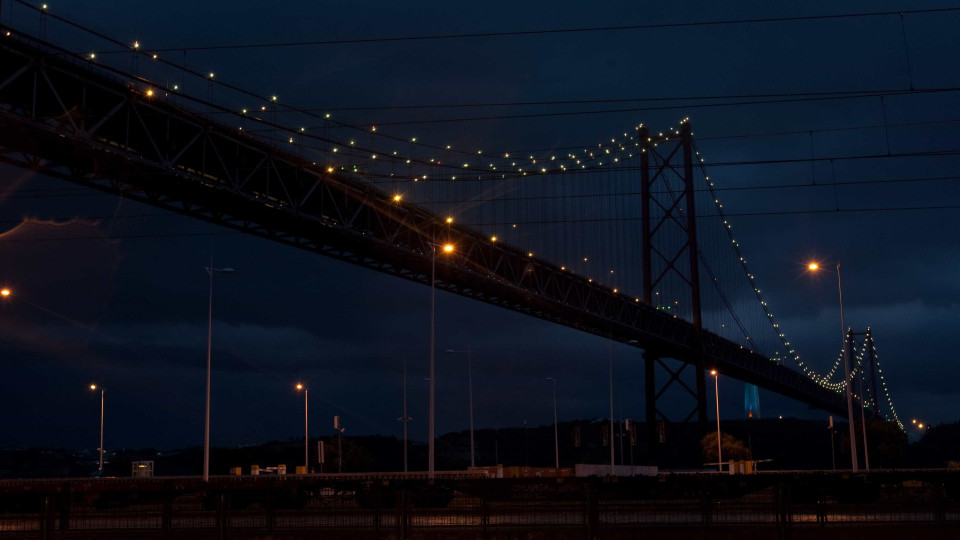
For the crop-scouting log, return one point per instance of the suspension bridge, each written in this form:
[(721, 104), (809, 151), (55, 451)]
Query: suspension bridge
[(625, 239)]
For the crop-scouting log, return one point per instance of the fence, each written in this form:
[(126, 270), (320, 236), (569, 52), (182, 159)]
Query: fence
[(772, 505)]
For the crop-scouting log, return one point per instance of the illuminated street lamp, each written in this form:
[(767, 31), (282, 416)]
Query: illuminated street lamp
[(5, 292), (93, 388), (716, 392), (813, 267), (469, 353), (306, 428), (431, 455), (206, 427)]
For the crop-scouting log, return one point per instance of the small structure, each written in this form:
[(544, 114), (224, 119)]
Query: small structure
[(141, 469)]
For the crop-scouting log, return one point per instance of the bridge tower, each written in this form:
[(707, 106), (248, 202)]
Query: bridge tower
[(668, 212)]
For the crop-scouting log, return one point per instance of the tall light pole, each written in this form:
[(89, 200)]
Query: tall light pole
[(93, 388), (469, 353), (556, 439), (716, 392), (846, 370), (206, 426), (404, 418), (447, 248), (306, 428), (613, 470)]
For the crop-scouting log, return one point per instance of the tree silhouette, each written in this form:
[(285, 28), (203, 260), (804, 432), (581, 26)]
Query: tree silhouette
[(733, 448)]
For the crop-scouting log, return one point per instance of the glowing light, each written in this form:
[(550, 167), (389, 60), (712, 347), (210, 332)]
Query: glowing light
[(4, 292), (150, 92), (154, 56), (397, 197), (93, 387), (211, 75), (493, 238), (92, 55), (136, 44), (448, 248), (813, 266), (713, 372), (299, 386), (43, 7), (449, 220)]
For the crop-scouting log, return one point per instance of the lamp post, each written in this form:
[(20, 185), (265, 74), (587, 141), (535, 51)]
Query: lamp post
[(716, 392), (846, 370), (447, 248), (404, 418), (556, 439), (613, 470), (469, 353), (93, 388), (206, 426), (306, 428)]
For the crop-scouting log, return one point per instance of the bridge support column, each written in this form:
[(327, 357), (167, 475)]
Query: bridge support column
[(676, 212)]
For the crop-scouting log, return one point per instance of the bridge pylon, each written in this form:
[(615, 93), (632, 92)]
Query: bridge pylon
[(668, 212)]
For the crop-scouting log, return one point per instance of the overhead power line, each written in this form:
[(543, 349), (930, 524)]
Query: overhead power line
[(145, 236), (550, 31)]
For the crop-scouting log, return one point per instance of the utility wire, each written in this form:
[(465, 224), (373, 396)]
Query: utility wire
[(420, 106), (538, 222), (426, 37)]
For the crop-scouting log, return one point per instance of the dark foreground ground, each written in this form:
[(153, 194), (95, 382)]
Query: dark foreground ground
[(895, 504)]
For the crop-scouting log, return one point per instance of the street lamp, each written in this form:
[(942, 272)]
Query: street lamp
[(93, 388), (469, 353), (206, 427), (4, 292), (813, 267), (556, 439), (716, 392), (306, 428), (447, 248)]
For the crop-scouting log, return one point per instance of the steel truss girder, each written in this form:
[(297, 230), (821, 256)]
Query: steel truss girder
[(90, 129)]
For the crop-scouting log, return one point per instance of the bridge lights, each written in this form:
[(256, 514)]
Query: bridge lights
[(448, 248), (397, 197), (814, 266)]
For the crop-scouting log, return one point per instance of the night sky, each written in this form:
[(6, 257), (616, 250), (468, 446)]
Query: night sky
[(114, 292)]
